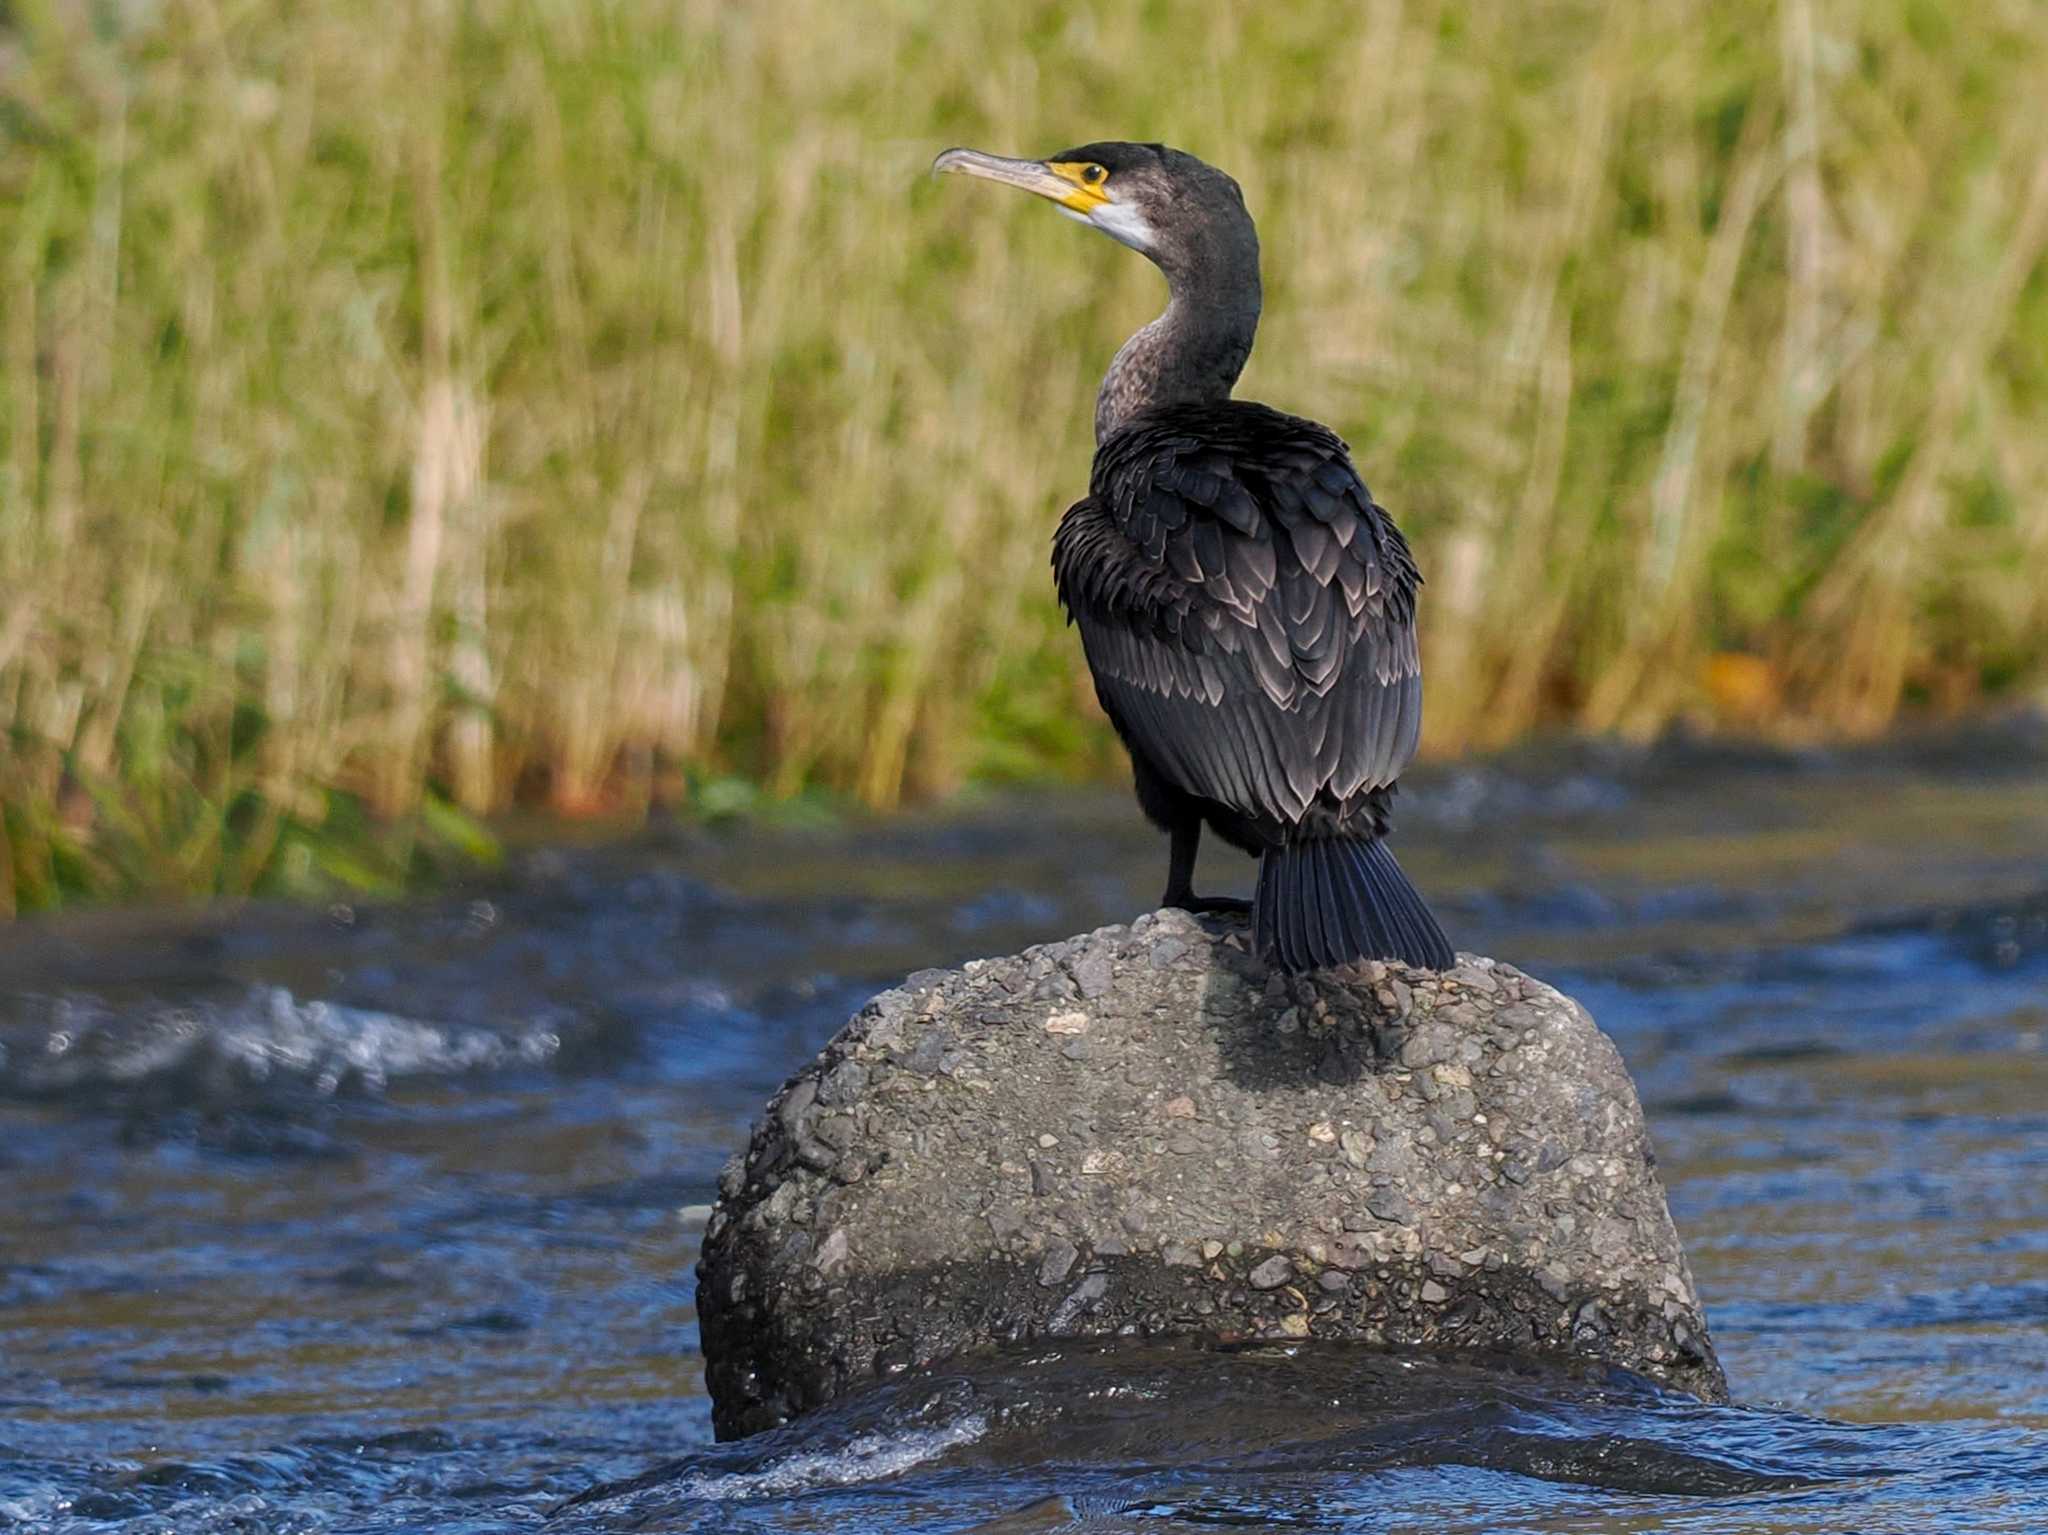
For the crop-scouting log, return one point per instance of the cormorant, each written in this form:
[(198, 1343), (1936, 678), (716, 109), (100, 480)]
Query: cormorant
[(1247, 610)]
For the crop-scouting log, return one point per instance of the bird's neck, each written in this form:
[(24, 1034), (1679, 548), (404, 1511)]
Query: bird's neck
[(1193, 353)]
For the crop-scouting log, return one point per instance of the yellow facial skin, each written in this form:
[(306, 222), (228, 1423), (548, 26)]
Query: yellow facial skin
[(1090, 184)]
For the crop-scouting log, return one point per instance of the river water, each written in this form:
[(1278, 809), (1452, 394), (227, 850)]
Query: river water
[(384, 1219)]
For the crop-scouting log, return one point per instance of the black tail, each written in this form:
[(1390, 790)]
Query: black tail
[(1328, 903)]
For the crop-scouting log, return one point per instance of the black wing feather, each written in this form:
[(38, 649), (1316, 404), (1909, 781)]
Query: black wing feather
[(1246, 608)]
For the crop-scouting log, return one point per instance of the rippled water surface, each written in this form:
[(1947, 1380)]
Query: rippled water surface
[(384, 1219)]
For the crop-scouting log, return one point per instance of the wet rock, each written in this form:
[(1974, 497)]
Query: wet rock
[(1238, 1155)]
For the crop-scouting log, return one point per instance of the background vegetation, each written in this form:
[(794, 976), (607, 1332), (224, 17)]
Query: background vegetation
[(416, 408)]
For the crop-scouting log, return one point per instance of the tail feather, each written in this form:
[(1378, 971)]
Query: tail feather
[(1332, 902)]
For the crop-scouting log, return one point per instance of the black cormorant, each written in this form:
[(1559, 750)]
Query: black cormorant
[(1247, 610)]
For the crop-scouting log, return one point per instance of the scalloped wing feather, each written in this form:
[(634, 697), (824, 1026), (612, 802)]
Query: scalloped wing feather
[(1247, 610)]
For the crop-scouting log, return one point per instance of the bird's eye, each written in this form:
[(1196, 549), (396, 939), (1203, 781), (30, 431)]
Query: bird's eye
[(1094, 175)]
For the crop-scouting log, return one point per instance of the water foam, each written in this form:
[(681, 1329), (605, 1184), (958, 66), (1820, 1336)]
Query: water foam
[(80, 1046)]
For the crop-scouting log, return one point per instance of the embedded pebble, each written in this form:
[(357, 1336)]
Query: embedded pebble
[(1058, 1262), (1272, 1274), (1093, 973)]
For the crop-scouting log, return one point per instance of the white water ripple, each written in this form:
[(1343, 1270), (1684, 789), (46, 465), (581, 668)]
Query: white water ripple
[(269, 1036)]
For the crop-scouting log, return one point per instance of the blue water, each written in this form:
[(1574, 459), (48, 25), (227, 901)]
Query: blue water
[(383, 1219)]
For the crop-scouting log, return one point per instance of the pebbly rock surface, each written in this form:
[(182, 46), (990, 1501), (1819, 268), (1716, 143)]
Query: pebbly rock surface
[(1143, 1131)]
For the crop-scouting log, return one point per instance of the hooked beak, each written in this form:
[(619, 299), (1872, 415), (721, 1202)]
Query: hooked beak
[(1059, 184)]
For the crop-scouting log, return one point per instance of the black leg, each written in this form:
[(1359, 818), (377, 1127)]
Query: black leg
[(1180, 873), (1180, 870)]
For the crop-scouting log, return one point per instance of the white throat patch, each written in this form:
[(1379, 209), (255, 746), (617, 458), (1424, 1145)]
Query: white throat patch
[(1124, 224)]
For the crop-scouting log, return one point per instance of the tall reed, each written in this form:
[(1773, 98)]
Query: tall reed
[(447, 403)]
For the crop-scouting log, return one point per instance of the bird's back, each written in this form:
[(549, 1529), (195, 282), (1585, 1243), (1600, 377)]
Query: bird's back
[(1247, 611)]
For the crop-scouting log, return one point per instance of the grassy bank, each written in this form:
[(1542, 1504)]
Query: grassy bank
[(431, 406)]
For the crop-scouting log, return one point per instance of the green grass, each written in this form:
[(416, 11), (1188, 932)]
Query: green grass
[(411, 410)]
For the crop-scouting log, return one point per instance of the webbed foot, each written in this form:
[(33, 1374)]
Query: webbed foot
[(1208, 905)]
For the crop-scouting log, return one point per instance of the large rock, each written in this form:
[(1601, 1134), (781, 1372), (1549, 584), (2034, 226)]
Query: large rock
[(1142, 1130)]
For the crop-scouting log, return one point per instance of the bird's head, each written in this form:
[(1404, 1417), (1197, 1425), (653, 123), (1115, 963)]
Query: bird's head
[(1159, 201)]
